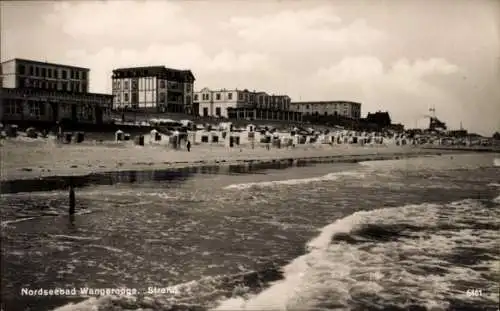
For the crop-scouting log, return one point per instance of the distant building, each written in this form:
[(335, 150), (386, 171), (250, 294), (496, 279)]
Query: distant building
[(347, 109), (243, 104), (381, 119), (154, 88), (48, 92)]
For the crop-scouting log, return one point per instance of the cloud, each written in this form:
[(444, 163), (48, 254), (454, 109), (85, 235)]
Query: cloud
[(421, 68), (402, 87), (312, 30), (228, 61), (353, 69), (156, 20), (181, 56)]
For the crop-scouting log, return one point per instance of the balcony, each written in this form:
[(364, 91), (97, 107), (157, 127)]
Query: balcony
[(175, 87)]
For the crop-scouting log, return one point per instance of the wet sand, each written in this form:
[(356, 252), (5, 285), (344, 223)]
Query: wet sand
[(34, 159)]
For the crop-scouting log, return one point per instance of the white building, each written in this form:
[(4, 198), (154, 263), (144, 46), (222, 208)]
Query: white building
[(214, 103), (241, 104), (346, 109)]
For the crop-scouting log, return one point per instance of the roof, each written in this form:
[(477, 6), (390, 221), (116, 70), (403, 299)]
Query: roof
[(36, 62), (147, 71), (324, 102), (206, 89)]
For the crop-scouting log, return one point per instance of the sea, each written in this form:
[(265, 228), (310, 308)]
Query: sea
[(408, 234)]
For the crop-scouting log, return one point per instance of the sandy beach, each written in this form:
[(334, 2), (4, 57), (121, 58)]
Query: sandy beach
[(26, 159)]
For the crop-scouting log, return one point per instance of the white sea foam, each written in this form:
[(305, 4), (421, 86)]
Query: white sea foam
[(497, 200), (5, 223), (86, 305), (109, 248), (327, 177), (338, 272), (75, 237), (496, 162)]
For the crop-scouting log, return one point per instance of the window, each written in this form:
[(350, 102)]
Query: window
[(217, 111), (240, 96), (307, 106), (36, 109), (49, 73), (230, 96), (84, 75), (162, 84), (118, 84), (32, 71), (325, 113), (64, 74), (162, 97), (195, 96), (125, 85), (12, 107), (188, 87), (134, 98), (22, 69), (37, 71), (125, 97), (86, 113), (217, 96), (44, 72), (84, 87), (205, 112)]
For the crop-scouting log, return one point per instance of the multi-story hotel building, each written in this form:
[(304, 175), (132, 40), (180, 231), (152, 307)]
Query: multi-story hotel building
[(243, 104), (39, 91), (22, 73), (346, 109), (154, 88)]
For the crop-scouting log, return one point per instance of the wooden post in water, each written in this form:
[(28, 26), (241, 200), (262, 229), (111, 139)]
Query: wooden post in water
[(71, 198)]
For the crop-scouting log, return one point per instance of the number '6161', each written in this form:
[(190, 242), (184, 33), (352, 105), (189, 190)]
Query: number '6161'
[(474, 293)]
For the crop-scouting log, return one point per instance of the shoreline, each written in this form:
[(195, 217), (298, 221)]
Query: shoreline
[(38, 160), (492, 149), (104, 176)]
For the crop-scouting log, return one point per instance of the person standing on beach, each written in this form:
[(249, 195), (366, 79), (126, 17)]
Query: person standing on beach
[(188, 146)]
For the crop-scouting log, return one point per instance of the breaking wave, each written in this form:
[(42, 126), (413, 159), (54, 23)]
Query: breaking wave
[(327, 177), (404, 257)]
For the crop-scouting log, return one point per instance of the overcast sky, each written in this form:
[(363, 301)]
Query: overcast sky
[(403, 56)]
